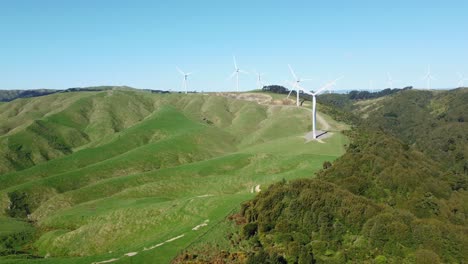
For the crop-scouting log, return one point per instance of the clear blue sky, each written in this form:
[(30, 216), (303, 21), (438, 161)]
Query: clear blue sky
[(64, 43)]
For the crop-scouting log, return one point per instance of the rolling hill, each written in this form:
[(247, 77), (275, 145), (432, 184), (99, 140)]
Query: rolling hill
[(90, 176)]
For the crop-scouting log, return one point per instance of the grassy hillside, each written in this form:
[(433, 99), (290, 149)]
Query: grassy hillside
[(101, 174)]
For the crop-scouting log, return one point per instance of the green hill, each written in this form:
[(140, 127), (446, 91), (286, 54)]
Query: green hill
[(99, 174)]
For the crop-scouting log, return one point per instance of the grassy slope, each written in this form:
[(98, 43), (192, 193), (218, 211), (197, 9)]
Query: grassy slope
[(139, 169)]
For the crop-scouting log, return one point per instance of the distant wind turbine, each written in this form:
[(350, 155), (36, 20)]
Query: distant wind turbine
[(260, 82), (390, 80), (428, 77), (236, 73), (185, 76), (314, 103), (371, 86), (461, 80), (296, 83)]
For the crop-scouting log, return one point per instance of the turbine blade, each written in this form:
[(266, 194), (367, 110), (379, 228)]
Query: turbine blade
[(292, 72), (235, 62), (232, 75), (180, 71), (328, 85), (304, 90)]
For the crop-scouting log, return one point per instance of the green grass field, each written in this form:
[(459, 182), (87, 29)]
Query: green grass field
[(115, 172)]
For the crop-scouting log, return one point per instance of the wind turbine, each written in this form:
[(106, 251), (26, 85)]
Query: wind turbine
[(236, 73), (461, 80), (428, 77), (185, 76), (390, 80), (314, 103), (296, 83), (260, 83), (371, 86)]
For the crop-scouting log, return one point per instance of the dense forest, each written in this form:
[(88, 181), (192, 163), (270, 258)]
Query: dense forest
[(398, 195)]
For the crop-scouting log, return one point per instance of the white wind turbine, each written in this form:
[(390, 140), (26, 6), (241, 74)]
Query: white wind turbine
[(428, 77), (314, 103), (391, 81), (260, 82), (236, 73), (371, 86), (296, 85), (461, 80), (185, 76)]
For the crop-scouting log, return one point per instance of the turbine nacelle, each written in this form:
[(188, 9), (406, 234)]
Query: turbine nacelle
[(185, 76)]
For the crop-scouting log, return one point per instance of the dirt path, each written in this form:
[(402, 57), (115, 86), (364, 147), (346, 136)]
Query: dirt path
[(106, 261), (265, 99), (324, 124), (205, 223)]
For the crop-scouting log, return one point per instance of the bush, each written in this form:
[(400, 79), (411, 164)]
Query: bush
[(19, 206), (249, 230)]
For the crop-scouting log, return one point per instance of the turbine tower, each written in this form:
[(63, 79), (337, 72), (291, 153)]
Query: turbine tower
[(260, 82), (296, 83), (428, 77), (461, 80), (236, 73), (314, 103), (185, 76)]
